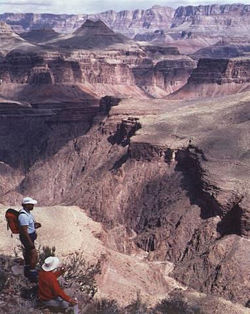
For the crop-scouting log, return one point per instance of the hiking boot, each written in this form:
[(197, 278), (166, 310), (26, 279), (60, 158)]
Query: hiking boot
[(26, 271), (33, 275)]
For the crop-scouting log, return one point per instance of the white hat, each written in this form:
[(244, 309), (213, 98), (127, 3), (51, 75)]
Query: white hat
[(50, 263), (29, 200)]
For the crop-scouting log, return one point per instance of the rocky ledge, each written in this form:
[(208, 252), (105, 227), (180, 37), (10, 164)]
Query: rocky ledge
[(214, 77)]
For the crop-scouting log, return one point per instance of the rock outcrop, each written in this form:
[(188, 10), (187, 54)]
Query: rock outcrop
[(223, 18), (39, 35), (217, 77), (9, 39), (224, 49)]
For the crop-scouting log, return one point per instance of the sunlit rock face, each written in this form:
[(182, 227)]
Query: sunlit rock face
[(127, 22), (216, 77)]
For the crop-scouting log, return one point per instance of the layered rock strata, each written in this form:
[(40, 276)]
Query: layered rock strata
[(140, 72), (126, 22), (229, 19), (217, 77), (9, 39)]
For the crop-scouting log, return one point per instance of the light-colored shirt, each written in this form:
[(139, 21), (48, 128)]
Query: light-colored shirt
[(26, 219)]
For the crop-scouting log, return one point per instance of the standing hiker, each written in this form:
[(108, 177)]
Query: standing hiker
[(49, 291), (27, 227)]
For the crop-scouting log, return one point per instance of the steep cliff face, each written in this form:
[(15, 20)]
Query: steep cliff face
[(222, 71), (126, 22), (214, 20), (189, 28), (133, 22), (222, 18), (9, 39), (142, 72), (41, 129), (217, 77), (224, 49)]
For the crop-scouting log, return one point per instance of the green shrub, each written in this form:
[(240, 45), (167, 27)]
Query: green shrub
[(175, 306), (136, 307), (103, 306), (81, 274), (44, 252), (3, 279)]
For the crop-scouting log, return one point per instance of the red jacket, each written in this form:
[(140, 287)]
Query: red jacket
[(49, 287)]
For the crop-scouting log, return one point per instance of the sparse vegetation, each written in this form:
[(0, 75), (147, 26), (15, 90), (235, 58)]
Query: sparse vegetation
[(3, 279), (44, 252), (81, 274), (103, 306), (175, 306), (136, 307)]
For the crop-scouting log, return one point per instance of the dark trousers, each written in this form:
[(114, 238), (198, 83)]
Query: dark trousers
[(29, 254)]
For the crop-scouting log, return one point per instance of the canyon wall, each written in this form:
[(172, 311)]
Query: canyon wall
[(232, 20), (216, 77), (126, 22), (124, 73)]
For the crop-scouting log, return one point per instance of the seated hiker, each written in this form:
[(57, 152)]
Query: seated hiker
[(49, 291), (28, 226)]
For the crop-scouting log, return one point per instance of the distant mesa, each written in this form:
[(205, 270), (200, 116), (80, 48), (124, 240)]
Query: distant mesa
[(224, 50), (92, 34), (40, 35), (94, 27)]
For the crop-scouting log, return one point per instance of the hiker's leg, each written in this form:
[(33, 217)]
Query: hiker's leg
[(26, 256), (25, 250), (30, 258), (33, 258)]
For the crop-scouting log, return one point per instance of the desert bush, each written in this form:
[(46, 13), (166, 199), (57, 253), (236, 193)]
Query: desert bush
[(102, 306), (175, 306), (3, 279), (81, 274), (136, 307), (44, 252)]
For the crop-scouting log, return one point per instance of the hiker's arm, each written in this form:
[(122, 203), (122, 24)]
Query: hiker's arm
[(24, 233), (60, 271), (60, 293), (37, 225)]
